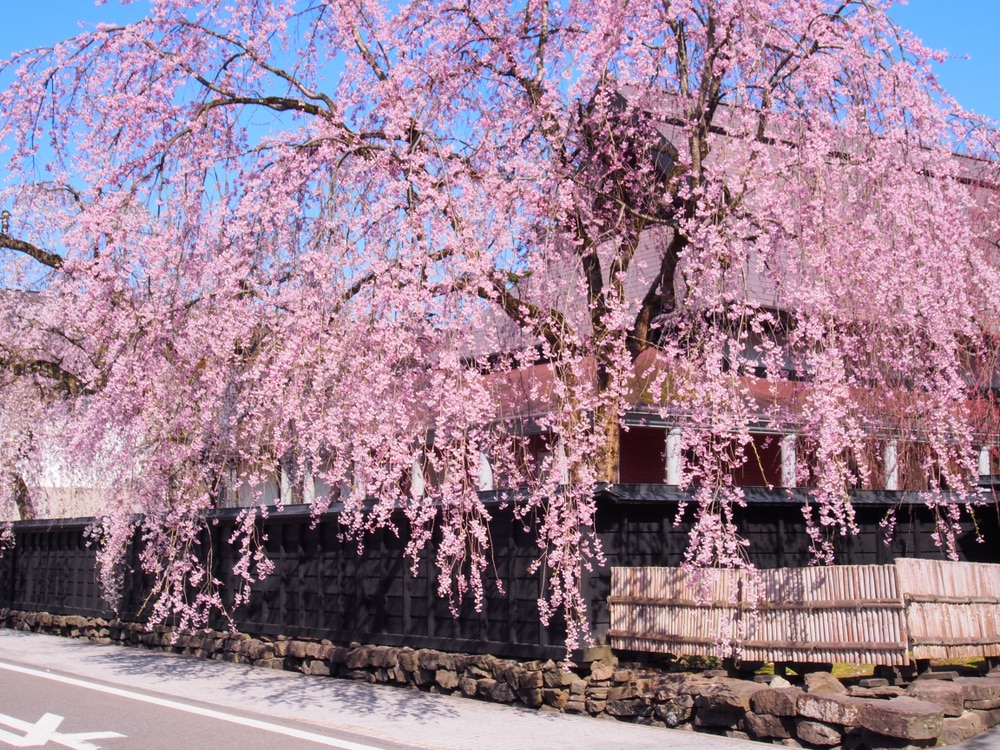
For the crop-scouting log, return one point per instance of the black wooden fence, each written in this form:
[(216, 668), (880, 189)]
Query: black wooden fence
[(323, 588)]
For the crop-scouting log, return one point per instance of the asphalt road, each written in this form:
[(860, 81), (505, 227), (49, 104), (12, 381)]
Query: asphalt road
[(56, 692), (45, 709)]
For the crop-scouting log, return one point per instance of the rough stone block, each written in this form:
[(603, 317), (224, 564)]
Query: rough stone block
[(776, 701), (687, 684), (270, 663), (831, 708), (316, 667), (981, 693), (990, 717), (599, 672), (623, 692), (512, 676), (557, 678), (718, 718), (383, 657), (598, 693), (358, 658), (477, 673), (873, 741), (259, 651), (906, 718), (468, 687), (873, 682), (768, 726), (555, 697), (674, 713), (818, 733), (823, 682), (531, 697), (627, 707), (481, 661), (428, 658), (948, 695), (456, 662), (530, 680), (446, 679), (408, 660), (537, 665), (496, 691), (960, 728), (728, 694)]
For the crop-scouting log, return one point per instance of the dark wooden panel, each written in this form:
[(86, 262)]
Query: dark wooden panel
[(322, 586)]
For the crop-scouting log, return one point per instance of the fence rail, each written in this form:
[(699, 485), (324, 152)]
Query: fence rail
[(870, 614)]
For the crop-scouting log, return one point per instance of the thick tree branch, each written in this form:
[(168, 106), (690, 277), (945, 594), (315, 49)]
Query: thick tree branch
[(659, 299), (52, 260), (64, 381), (552, 327)]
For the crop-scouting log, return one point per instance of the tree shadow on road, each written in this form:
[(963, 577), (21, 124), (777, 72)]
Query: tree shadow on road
[(288, 691)]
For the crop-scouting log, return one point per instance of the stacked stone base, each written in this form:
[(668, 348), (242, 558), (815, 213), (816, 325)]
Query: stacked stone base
[(872, 715)]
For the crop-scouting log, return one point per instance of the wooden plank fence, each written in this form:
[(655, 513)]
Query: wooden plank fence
[(869, 614)]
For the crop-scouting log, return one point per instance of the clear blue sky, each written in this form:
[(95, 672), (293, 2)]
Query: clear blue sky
[(966, 29), (962, 27)]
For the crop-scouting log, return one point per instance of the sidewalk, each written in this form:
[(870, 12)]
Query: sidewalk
[(392, 715)]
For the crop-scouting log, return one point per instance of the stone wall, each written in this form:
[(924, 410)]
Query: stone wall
[(822, 712)]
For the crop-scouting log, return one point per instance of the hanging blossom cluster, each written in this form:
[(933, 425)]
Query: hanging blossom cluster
[(409, 252)]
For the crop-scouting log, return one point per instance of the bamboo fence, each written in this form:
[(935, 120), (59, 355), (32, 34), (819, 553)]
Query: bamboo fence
[(870, 614), (952, 608)]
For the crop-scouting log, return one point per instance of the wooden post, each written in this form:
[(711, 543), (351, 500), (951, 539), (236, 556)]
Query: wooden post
[(485, 474), (308, 488), (891, 466), (984, 461), (674, 457), (788, 460), (285, 488), (417, 485)]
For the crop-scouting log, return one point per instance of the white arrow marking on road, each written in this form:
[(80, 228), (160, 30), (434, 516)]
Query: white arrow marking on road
[(44, 731)]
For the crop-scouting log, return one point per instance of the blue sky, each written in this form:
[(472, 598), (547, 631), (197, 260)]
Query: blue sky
[(962, 27)]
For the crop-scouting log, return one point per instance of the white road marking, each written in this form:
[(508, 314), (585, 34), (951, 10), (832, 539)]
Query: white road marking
[(196, 710), (44, 731)]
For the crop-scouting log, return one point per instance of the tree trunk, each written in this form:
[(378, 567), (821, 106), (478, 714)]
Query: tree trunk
[(608, 426), (22, 499)]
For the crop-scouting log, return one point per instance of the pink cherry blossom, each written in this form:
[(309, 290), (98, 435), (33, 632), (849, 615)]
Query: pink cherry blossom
[(409, 252)]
